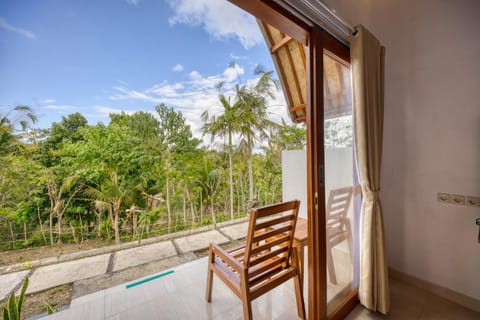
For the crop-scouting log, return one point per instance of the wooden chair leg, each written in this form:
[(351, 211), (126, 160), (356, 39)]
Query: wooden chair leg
[(208, 294), (299, 298), (299, 288), (349, 239), (330, 265), (298, 247), (247, 310), (246, 302)]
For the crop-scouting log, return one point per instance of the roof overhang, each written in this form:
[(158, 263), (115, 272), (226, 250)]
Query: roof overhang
[(289, 58)]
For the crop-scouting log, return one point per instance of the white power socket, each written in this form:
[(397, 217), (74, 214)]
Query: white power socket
[(457, 199), (473, 201), (443, 197)]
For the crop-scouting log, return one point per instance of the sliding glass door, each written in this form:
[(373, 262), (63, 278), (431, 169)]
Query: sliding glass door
[(331, 275), (341, 218)]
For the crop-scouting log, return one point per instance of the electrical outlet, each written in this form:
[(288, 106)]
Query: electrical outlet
[(457, 199), (473, 201), (443, 197)]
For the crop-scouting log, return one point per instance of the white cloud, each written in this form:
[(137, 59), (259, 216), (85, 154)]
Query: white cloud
[(61, 107), (221, 19), (233, 56), (125, 93), (7, 26), (277, 107), (232, 73), (194, 95), (47, 101), (165, 89), (106, 111), (177, 68), (195, 75), (133, 2)]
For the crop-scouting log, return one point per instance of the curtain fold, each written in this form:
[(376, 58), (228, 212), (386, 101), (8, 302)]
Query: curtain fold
[(367, 56)]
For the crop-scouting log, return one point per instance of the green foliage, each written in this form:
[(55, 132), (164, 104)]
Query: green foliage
[(49, 308), (288, 137), (338, 132), (221, 217), (224, 125), (17, 119), (255, 122), (68, 130), (13, 308), (142, 124), (21, 181), (175, 134), (77, 181)]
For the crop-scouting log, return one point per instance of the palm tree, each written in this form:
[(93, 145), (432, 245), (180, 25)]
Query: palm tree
[(224, 125), (20, 115), (209, 181), (114, 194), (253, 116), (59, 203)]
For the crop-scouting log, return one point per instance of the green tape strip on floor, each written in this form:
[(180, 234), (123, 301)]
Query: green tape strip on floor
[(130, 285)]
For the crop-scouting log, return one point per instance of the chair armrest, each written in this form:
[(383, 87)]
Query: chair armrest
[(217, 250)]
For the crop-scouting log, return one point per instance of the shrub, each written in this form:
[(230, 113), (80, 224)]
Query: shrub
[(13, 308)]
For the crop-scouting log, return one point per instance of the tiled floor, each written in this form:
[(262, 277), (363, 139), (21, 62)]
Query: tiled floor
[(409, 302), (181, 295)]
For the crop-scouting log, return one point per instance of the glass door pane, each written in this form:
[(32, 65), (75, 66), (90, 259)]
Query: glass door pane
[(340, 181)]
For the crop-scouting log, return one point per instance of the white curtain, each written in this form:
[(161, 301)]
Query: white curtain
[(367, 56)]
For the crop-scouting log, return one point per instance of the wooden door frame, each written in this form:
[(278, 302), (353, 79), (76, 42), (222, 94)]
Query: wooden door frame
[(277, 16), (317, 267), (316, 40)]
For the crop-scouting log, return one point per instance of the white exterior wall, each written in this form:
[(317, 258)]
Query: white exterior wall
[(338, 174), (294, 178)]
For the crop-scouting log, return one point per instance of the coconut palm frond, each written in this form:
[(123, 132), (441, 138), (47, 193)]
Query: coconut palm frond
[(68, 183)]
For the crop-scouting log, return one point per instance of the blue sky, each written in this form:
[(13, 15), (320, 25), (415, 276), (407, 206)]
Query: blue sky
[(97, 57)]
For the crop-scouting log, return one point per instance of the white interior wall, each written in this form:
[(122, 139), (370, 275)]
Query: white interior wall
[(431, 133)]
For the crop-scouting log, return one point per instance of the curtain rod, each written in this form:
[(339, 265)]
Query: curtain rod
[(337, 21), (319, 14)]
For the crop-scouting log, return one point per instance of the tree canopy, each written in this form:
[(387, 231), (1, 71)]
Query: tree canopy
[(142, 174)]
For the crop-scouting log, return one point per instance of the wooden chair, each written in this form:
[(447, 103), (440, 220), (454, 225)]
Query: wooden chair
[(338, 225), (265, 261)]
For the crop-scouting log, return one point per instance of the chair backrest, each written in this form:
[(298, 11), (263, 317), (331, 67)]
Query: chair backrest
[(338, 204), (269, 239)]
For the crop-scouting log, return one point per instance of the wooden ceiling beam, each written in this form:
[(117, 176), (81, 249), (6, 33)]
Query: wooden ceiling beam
[(280, 44), (275, 15), (302, 54), (299, 107), (296, 81), (267, 32), (301, 119)]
